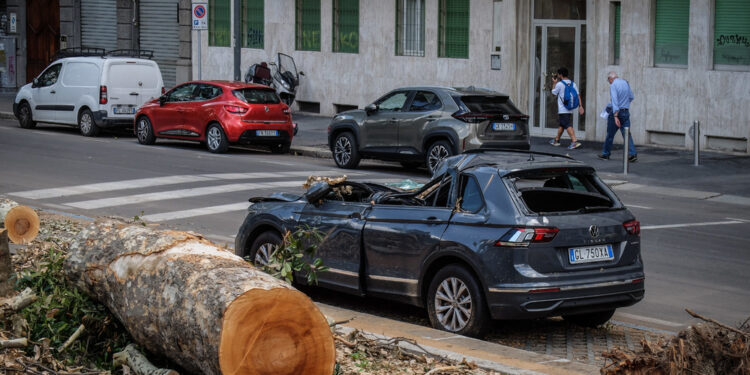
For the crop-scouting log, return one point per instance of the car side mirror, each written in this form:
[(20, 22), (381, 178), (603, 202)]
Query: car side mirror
[(162, 99), (371, 108), (317, 191), (35, 82)]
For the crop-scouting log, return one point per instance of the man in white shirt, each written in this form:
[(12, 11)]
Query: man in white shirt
[(565, 115)]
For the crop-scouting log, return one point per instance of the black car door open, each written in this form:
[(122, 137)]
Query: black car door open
[(397, 238), (340, 223)]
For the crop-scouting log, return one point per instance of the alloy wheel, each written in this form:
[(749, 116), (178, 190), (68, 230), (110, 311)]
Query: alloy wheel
[(263, 255), (24, 114), (342, 151), (142, 130), (86, 123), (453, 304), (214, 138), (437, 154)]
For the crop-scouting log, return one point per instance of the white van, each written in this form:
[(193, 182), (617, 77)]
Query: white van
[(91, 92)]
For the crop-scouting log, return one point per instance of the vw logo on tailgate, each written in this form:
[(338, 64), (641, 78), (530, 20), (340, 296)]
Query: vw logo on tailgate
[(594, 231)]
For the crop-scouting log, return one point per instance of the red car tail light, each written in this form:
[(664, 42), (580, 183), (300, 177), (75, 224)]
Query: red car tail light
[(235, 109), (633, 227), (522, 237), (102, 94), (286, 110)]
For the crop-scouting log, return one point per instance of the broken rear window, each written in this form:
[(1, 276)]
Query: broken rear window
[(562, 190)]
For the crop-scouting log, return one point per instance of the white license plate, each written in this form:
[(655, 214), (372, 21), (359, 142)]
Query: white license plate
[(267, 133), (123, 110), (503, 126), (589, 254)]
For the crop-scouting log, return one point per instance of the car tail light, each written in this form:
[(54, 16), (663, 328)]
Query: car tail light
[(286, 110), (235, 109), (522, 237), (102, 94), (471, 117), (633, 227), (546, 290)]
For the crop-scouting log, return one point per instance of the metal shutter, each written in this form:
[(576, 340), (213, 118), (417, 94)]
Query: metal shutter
[(671, 32), (99, 24), (732, 32), (160, 32)]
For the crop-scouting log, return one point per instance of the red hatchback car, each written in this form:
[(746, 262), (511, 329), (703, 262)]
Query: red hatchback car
[(218, 113)]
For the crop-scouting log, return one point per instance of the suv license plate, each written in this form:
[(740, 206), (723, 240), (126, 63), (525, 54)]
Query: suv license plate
[(267, 133), (123, 110), (503, 126), (589, 254)]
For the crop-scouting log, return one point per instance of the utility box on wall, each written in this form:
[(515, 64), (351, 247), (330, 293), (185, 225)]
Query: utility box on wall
[(8, 61)]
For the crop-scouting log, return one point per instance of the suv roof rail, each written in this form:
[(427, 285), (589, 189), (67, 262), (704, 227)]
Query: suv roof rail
[(138, 53), (78, 51), (525, 152)]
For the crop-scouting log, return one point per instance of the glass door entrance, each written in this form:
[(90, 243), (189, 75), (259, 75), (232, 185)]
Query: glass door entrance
[(557, 43)]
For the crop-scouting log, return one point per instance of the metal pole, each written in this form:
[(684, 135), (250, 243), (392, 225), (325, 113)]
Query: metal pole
[(625, 144), (199, 54), (696, 142), (237, 39)]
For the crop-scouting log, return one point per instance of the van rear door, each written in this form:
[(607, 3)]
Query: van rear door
[(130, 83)]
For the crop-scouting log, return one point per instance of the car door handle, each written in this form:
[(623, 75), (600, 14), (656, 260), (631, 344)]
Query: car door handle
[(355, 215), (134, 93), (432, 218), (52, 92)]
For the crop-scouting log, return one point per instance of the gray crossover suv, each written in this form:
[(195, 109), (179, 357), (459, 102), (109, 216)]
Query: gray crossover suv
[(423, 125), (503, 235)]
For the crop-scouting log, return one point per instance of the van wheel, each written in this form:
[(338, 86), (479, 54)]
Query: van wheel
[(145, 131), (345, 152), (456, 303), (591, 320), (24, 116), (281, 148), (87, 125), (216, 140), (436, 153), (263, 247)]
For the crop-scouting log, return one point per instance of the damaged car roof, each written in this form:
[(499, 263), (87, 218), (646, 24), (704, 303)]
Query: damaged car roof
[(508, 161)]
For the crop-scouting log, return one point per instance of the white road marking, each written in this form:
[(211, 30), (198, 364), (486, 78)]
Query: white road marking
[(734, 218), (636, 206), (164, 216), (646, 227), (177, 194), (157, 181)]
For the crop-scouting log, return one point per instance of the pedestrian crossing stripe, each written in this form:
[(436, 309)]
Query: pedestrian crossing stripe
[(203, 211)]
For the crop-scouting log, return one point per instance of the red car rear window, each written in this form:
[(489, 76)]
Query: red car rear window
[(256, 96)]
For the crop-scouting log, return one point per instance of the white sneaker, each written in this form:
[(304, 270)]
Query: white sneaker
[(554, 142), (574, 145)]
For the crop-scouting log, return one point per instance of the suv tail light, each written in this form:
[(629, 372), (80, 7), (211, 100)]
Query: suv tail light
[(235, 109), (102, 94), (522, 237), (633, 227)]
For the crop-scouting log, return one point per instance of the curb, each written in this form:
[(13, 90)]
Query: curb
[(316, 152), (7, 115)]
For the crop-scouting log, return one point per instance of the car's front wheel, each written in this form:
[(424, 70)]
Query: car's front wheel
[(86, 124), (593, 319), (145, 131), (263, 248), (216, 140), (455, 302), (436, 153), (24, 116), (345, 152)]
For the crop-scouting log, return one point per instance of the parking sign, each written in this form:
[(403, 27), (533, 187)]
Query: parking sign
[(200, 16)]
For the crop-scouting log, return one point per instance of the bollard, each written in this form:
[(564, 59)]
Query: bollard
[(625, 144), (696, 143)]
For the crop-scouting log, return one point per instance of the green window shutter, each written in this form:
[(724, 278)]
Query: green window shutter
[(253, 24), (732, 32), (308, 25), (616, 47), (671, 33), (218, 23), (346, 26), (453, 29)]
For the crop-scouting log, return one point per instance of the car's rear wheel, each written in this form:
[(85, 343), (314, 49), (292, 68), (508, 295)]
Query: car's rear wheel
[(263, 247), (86, 124), (593, 319), (281, 148), (436, 153), (455, 302), (145, 131), (24, 116), (216, 140), (345, 152)]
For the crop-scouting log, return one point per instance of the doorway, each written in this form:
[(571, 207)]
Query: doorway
[(42, 35), (556, 43)]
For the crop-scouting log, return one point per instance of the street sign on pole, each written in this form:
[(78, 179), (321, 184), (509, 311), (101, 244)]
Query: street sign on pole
[(200, 16)]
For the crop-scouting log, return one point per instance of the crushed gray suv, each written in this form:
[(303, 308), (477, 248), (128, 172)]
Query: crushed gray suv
[(424, 125)]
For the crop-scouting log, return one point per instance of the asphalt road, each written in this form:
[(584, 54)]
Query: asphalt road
[(695, 251)]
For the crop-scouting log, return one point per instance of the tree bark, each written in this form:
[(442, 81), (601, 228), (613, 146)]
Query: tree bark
[(206, 309), (6, 266), (21, 222)]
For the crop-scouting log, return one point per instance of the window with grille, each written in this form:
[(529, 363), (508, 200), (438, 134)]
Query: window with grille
[(253, 24), (346, 26), (616, 33), (671, 33), (308, 25), (453, 29), (732, 33), (410, 27), (219, 18)]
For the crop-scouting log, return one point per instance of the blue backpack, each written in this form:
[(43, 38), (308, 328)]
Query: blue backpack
[(570, 96)]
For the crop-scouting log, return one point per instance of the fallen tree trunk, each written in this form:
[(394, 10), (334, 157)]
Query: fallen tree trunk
[(201, 306), (21, 222)]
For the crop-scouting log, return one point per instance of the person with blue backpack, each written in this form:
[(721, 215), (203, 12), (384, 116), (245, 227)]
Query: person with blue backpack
[(568, 100)]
